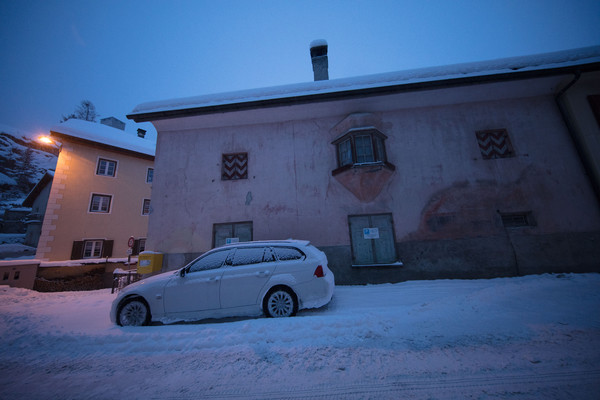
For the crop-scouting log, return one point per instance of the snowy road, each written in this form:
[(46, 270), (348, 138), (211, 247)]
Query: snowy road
[(519, 338)]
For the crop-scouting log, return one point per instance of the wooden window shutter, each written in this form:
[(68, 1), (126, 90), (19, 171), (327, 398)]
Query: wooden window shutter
[(77, 250), (136, 247), (107, 248)]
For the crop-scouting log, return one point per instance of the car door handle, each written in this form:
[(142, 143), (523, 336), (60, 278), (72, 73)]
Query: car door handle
[(214, 279), (262, 274)]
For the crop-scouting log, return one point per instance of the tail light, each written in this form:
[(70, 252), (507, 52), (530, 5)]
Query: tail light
[(319, 272)]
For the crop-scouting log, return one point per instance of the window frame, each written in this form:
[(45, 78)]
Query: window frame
[(233, 225), (144, 207), (377, 151), (99, 211), (94, 248), (149, 176), (108, 161)]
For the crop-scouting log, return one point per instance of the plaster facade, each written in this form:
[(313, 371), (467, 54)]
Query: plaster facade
[(68, 218), (450, 206)]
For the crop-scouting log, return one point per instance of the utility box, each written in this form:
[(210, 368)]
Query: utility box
[(149, 262)]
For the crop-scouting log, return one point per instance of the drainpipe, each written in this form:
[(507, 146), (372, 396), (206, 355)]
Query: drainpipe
[(579, 145)]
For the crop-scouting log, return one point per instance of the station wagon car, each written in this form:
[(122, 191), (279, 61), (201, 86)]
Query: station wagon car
[(276, 278)]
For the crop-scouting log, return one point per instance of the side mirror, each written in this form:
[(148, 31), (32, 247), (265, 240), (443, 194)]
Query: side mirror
[(182, 272)]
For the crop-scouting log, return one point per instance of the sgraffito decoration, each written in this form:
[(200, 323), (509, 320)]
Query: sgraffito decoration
[(235, 166), (494, 144)]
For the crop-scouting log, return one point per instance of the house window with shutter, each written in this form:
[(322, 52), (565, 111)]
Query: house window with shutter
[(138, 246), (91, 248), (234, 166)]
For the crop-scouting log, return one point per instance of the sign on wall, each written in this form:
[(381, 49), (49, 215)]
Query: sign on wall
[(371, 233)]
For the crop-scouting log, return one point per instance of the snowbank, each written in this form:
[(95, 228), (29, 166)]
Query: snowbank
[(520, 338)]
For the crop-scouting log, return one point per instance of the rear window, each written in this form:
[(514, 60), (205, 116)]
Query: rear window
[(289, 253)]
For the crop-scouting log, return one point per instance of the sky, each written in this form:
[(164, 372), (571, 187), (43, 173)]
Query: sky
[(119, 54)]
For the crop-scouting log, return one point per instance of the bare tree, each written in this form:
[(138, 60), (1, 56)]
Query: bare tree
[(85, 111)]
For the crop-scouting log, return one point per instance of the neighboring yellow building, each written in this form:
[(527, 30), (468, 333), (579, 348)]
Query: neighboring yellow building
[(100, 195)]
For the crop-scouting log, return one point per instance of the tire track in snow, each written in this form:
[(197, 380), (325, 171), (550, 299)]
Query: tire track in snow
[(517, 386)]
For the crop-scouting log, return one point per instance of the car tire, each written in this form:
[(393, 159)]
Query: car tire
[(280, 302), (134, 312)]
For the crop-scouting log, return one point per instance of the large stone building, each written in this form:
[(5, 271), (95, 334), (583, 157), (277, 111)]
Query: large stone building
[(474, 170)]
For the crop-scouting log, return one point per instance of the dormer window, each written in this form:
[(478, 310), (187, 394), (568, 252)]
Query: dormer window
[(360, 146)]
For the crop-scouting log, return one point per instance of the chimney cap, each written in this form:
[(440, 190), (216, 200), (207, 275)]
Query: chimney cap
[(318, 43)]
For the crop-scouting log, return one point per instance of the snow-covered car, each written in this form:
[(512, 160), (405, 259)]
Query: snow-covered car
[(276, 278)]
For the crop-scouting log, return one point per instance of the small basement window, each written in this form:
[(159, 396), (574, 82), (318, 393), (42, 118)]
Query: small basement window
[(517, 220)]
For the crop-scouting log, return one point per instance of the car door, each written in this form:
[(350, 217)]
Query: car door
[(242, 281), (198, 289)]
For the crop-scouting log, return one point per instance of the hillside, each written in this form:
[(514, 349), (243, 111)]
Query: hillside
[(23, 161)]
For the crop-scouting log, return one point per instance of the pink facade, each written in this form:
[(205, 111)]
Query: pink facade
[(480, 179)]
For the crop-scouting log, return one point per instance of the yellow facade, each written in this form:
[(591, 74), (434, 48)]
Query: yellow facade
[(68, 217)]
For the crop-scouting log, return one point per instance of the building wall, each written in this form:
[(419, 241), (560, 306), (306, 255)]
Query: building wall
[(446, 201), (67, 217)]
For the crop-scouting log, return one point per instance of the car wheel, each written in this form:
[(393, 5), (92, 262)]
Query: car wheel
[(280, 302), (134, 312)]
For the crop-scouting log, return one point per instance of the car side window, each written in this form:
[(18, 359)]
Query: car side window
[(211, 261), (248, 255), (289, 253)]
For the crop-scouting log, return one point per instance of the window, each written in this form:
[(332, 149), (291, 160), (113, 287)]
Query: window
[(149, 175), (17, 275), (106, 167), (251, 255), (494, 143), (231, 233), (141, 245), (210, 261), (594, 101), (289, 253), (100, 203), (6, 275), (234, 166), (92, 249), (146, 207), (517, 220), (372, 239), (360, 146)]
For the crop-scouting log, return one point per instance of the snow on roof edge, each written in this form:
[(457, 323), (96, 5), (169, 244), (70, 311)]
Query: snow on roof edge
[(107, 135), (543, 61)]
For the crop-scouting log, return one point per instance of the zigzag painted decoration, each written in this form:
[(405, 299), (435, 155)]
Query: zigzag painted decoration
[(494, 144), (235, 166)]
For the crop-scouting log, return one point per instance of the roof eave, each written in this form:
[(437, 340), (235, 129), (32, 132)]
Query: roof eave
[(105, 146), (355, 93)]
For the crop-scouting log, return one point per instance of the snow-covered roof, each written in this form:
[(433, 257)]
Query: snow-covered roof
[(106, 135), (501, 67)]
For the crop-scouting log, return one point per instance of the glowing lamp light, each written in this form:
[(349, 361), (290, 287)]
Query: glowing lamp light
[(46, 139)]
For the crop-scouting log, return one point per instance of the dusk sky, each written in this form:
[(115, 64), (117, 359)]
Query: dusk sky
[(121, 53)]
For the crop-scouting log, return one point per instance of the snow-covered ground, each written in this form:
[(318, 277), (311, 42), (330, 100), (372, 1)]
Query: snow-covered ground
[(533, 337)]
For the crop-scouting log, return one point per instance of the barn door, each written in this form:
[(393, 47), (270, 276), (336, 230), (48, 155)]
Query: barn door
[(372, 239)]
